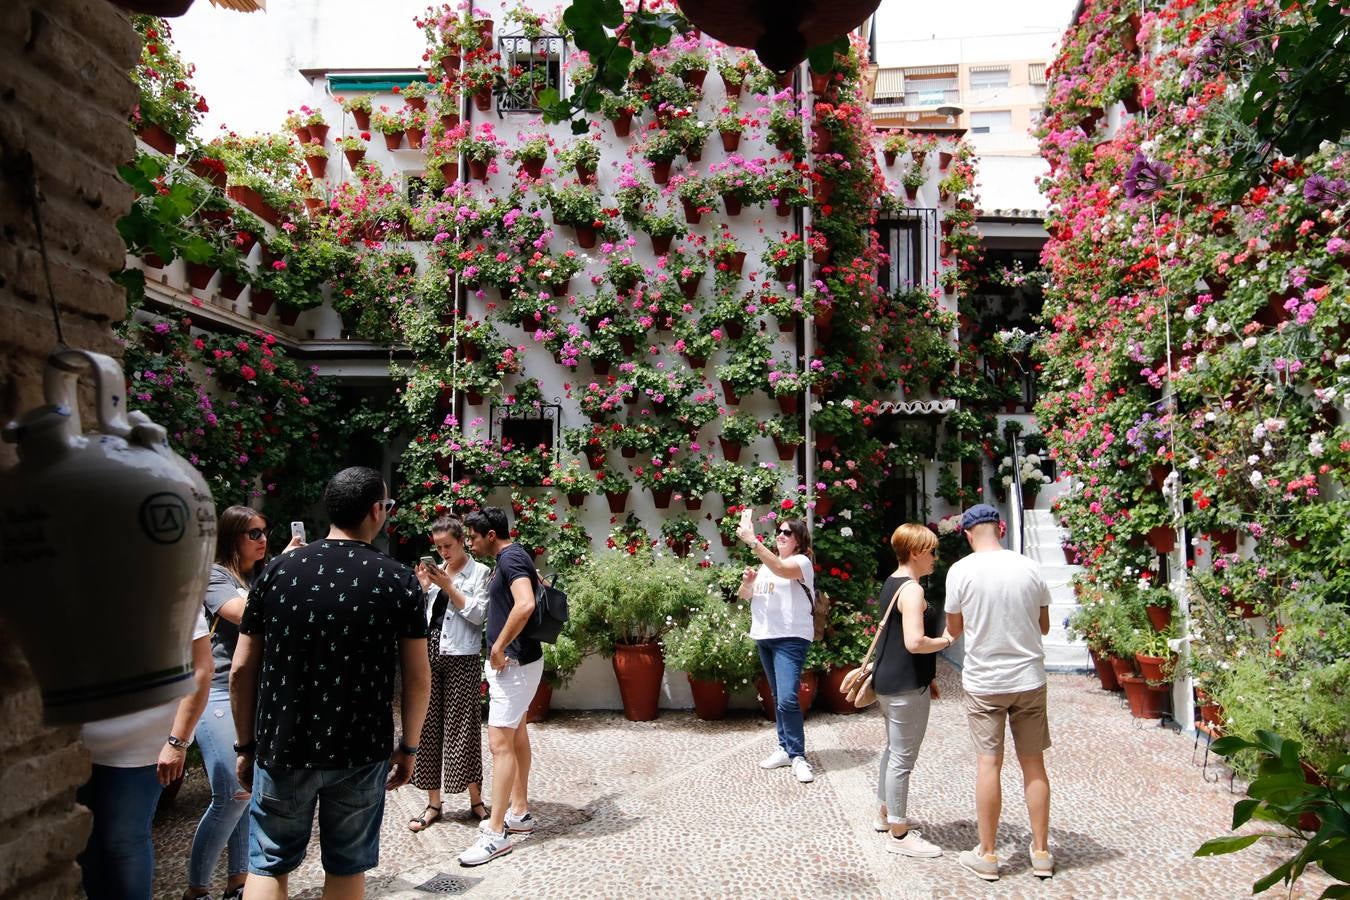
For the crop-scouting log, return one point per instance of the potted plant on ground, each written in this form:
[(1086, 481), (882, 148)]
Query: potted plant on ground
[(621, 605), (714, 650), (562, 658)]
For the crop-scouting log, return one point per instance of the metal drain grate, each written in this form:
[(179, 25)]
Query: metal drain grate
[(442, 883)]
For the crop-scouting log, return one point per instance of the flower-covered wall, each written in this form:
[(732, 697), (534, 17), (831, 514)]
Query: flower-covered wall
[(1196, 368)]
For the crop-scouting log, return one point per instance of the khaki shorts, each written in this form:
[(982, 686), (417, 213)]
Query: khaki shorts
[(1024, 710)]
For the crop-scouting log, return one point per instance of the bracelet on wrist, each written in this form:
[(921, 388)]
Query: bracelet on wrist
[(245, 749), (406, 749)]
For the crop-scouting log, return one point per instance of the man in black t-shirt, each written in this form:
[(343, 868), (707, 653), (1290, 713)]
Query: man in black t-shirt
[(515, 665), (311, 687)]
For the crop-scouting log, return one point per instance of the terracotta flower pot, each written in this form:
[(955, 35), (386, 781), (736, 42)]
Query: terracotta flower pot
[(1105, 674), (788, 403), (832, 692), (824, 505), (1124, 668), (478, 170), (362, 119), (1225, 541), (414, 136), (661, 245), (731, 451), (944, 160), (1160, 617), (318, 133), (692, 214), (820, 83), (661, 171), (693, 503), (484, 27), (806, 694), (690, 288), (888, 156), (1162, 539), (199, 275), (638, 668), (623, 123), (157, 138), (538, 709), (354, 156), (618, 502), (710, 698), (288, 315), (482, 99), (450, 172), (729, 394), (1151, 667), (260, 300), (318, 165), (735, 262), (1144, 703), (732, 204), (585, 236), (393, 141), (532, 167), (731, 140), (419, 103), (230, 287), (825, 442), (783, 208), (585, 175), (694, 77), (785, 450), (661, 497)]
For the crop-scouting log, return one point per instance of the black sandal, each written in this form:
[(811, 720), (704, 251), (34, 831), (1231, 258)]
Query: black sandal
[(423, 820), (473, 811)]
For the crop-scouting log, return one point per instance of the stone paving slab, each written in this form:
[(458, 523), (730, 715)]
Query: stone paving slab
[(678, 808)]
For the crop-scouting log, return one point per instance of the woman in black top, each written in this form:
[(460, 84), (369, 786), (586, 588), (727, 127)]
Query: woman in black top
[(903, 677)]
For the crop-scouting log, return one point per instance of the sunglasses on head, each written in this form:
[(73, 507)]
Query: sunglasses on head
[(255, 534)]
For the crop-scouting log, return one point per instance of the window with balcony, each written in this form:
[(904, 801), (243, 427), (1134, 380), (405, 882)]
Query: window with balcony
[(991, 121), (531, 64)]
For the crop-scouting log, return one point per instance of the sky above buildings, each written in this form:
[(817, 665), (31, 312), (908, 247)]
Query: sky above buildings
[(247, 64)]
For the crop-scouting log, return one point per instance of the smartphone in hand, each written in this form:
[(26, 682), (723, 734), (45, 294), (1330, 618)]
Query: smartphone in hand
[(747, 518), (429, 562), (298, 531)]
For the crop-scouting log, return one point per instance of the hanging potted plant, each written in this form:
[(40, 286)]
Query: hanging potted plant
[(784, 256), (733, 68), (353, 148), (660, 150), (578, 207), (680, 534), (480, 151), (389, 124), (359, 109), (414, 94), (738, 430), (583, 155), (619, 109), (480, 78), (727, 254), (913, 179), (715, 652), (530, 154), (663, 229), (615, 488), (697, 197), (621, 605), (168, 107), (316, 157), (730, 124)]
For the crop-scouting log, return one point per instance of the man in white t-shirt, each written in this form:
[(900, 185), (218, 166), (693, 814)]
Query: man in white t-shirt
[(1001, 603)]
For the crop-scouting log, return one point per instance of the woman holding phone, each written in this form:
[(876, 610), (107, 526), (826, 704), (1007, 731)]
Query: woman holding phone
[(781, 595), (241, 551), (451, 739)]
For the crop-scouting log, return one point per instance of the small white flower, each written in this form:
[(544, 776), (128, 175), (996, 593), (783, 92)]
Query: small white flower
[(1256, 478), (846, 532)]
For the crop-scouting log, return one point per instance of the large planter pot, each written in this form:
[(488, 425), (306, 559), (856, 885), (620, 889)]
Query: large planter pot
[(1151, 667), (710, 698), (832, 691), (1160, 617), (638, 668), (806, 694), (1105, 674), (538, 709), (1144, 703)]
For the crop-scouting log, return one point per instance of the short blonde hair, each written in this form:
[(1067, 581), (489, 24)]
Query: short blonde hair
[(910, 539)]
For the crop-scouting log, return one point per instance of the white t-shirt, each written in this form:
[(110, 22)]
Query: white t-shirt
[(999, 595), (779, 607), (135, 739)]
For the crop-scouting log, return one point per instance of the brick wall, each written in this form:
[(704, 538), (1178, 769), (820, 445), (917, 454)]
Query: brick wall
[(64, 97)]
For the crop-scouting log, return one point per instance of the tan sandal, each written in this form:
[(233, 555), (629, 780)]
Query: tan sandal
[(423, 822)]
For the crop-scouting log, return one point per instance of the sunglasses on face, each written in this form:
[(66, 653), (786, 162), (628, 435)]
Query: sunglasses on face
[(785, 532), (255, 534), (390, 504)]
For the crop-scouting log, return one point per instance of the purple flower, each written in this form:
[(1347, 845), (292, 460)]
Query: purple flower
[(1322, 191), (1146, 177)]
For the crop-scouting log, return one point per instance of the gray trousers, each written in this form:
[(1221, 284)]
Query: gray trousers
[(906, 721)]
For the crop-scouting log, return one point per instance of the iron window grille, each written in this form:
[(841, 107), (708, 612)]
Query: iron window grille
[(532, 65), (527, 425), (910, 239)]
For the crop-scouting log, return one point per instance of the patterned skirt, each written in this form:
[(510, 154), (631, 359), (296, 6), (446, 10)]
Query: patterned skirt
[(451, 737)]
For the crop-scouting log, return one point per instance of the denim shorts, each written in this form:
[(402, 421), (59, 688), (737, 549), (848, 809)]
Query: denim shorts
[(281, 814)]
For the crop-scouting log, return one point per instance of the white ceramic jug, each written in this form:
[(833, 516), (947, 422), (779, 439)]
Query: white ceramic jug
[(106, 541)]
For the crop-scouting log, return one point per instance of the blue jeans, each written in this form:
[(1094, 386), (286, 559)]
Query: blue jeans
[(224, 823), (118, 863), (351, 806), (782, 659)]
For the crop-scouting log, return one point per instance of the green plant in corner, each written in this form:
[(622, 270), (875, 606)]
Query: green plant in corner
[(1281, 795)]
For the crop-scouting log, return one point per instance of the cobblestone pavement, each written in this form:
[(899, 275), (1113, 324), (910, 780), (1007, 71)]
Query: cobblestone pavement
[(678, 808)]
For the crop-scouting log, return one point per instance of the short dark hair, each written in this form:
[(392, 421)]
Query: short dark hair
[(489, 518), (351, 493)]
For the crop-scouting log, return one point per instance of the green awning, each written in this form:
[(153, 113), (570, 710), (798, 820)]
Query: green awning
[(378, 84)]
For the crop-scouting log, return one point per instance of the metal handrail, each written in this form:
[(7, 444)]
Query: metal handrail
[(1016, 511)]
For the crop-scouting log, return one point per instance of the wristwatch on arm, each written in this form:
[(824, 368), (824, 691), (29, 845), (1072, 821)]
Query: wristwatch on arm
[(176, 742), (245, 749)]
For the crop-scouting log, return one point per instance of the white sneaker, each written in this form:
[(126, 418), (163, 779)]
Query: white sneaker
[(1042, 863), (983, 865), (522, 824), (880, 823), (802, 770), (488, 847), (911, 843), (776, 760)]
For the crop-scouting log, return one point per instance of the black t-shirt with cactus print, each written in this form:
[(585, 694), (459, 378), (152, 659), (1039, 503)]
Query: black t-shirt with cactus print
[(330, 616)]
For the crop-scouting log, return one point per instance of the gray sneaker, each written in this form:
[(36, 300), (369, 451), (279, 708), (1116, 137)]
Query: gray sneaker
[(522, 824), (488, 847), (1042, 863), (911, 843), (985, 866)]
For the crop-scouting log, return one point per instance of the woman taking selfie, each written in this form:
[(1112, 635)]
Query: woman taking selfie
[(241, 551), (780, 592)]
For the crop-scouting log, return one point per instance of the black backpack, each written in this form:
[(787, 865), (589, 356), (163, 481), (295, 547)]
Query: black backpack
[(550, 613)]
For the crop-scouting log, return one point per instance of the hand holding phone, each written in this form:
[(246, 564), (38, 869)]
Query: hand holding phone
[(429, 562), (298, 531), (746, 529)]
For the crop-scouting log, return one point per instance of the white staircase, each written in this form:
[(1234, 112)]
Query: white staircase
[(1043, 540)]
